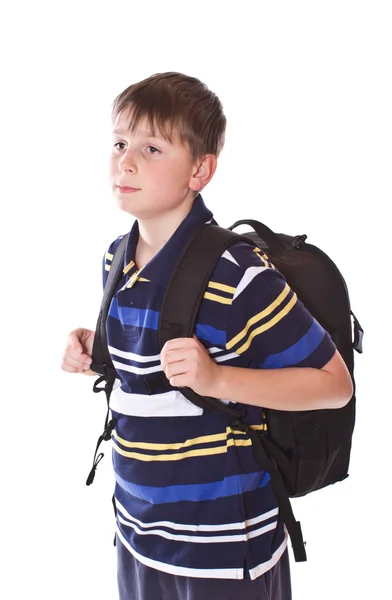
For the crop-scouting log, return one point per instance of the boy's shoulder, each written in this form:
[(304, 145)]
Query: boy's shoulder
[(239, 261)]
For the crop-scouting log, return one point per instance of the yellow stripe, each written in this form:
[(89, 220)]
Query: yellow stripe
[(264, 313), (205, 439), (109, 256), (128, 267), (268, 325), (265, 262), (216, 298), (142, 279), (182, 455), (237, 442), (222, 287), (107, 267), (264, 255), (259, 427), (269, 263)]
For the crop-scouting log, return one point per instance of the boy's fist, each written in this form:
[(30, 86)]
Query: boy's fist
[(186, 363), (78, 351)]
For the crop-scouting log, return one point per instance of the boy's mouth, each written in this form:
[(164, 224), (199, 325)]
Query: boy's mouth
[(126, 189)]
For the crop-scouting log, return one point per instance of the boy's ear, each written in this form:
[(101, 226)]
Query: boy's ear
[(204, 169)]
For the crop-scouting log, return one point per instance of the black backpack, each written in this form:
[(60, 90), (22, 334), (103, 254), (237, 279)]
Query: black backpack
[(302, 451)]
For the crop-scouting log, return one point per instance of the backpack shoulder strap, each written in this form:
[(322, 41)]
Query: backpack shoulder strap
[(180, 306), (102, 363), (186, 288), (184, 294)]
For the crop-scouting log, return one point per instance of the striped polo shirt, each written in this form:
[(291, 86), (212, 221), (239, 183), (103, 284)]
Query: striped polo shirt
[(191, 498)]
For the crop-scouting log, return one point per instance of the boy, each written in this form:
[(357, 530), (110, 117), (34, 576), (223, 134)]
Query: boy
[(196, 517)]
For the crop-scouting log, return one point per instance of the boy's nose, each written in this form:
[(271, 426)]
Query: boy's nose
[(128, 162)]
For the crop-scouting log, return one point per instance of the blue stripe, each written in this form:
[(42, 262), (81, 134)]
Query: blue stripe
[(138, 317), (229, 486), (210, 334), (299, 351), (148, 319)]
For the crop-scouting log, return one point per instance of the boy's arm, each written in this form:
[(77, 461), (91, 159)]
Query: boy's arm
[(293, 363), (293, 388), (188, 364)]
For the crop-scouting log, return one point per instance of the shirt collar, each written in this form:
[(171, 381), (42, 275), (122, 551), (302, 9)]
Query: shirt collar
[(160, 267)]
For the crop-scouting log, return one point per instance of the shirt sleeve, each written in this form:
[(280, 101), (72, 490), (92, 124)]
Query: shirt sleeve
[(269, 325)]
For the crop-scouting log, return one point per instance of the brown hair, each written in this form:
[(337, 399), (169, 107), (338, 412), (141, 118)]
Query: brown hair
[(175, 102)]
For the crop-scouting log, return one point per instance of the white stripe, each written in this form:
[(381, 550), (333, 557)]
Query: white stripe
[(201, 539), (143, 359), (214, 349), (169, 404), (174, 570), (183, 527), (264, 567), (226, 401), (230, 257), (137, 370), (248, 276), (133, 356), (224, 357)]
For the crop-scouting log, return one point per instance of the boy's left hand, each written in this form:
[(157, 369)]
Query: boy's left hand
[(186, 363)]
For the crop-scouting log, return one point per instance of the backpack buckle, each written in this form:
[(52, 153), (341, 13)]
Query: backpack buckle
[(107, 433), (298, 241), (239, 425)]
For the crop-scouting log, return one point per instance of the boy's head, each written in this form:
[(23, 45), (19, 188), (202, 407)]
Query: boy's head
[(168, 131), (173, 102)]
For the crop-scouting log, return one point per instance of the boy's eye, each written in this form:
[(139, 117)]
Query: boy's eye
[(153, 150), (150, 149)]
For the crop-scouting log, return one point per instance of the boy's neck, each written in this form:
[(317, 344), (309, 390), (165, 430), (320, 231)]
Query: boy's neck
[(154, 233)]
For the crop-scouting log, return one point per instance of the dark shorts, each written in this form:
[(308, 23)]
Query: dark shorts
[(138, 582)]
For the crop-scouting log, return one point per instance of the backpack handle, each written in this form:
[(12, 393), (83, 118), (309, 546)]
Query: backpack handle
[(265, 233)]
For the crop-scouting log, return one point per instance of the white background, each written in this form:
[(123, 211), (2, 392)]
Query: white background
[(306, 87)]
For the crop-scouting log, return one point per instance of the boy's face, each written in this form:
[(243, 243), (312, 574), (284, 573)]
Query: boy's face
[(160, 173)]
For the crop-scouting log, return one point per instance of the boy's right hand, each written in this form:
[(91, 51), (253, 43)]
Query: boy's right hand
[(77, 355)]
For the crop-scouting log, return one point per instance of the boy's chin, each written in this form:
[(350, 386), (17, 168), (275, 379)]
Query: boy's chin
[(131, 210), (128, 210)]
